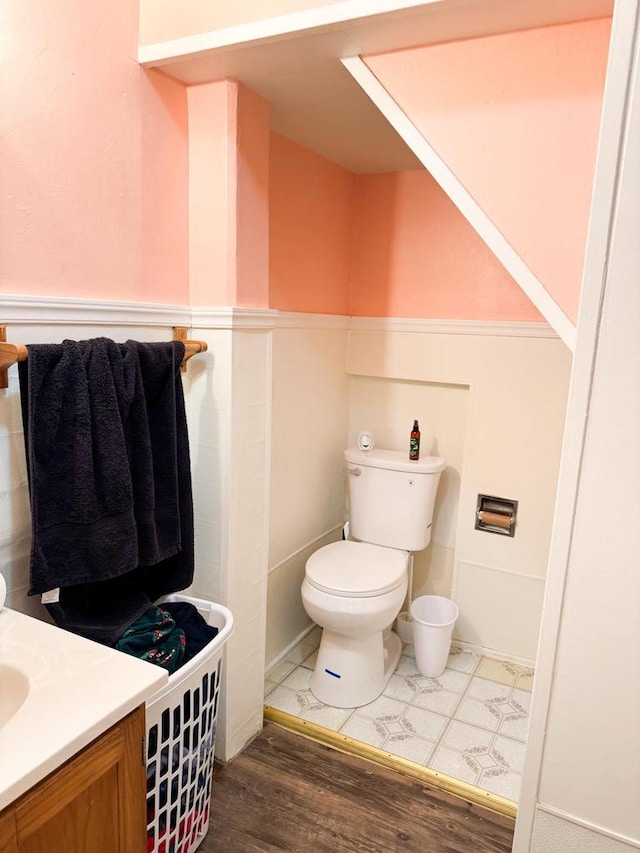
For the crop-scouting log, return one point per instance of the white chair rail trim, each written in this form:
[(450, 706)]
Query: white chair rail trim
[(39, 310)]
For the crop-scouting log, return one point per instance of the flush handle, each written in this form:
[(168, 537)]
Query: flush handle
[(355, 472)]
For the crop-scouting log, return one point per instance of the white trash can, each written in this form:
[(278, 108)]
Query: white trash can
[(433, 618)]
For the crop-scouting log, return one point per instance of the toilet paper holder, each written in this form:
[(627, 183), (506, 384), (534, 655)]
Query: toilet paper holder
[(496, 515)]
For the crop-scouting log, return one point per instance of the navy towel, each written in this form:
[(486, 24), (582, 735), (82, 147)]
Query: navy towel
[(158, 443), (110, 482)]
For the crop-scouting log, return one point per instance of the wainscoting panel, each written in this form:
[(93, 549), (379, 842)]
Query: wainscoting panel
[(500, 611)]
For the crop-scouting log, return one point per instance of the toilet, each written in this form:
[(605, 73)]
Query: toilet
[(354, 589)]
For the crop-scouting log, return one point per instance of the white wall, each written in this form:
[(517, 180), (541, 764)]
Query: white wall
[(582, 775), (229, 414), (493, 400), (308, 432), (227, 392)]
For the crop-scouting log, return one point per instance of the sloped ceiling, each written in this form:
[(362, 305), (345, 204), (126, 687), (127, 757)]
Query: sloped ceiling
[(516, 118), (508, 125), (501, 103)]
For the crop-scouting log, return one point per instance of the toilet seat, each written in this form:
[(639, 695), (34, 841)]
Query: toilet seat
[(356, 569)]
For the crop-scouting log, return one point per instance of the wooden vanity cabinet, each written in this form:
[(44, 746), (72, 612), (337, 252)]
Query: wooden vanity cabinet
[(95, 803)]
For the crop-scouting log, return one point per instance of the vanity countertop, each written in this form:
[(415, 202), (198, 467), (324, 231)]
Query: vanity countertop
[(77, 690)]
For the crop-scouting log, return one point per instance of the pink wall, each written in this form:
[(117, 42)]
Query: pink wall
[(228, 195), (311, 205), (415, 255), (390, 245), (94, 176), (93, 157), (252, 199), (212, 135), (516, 117)]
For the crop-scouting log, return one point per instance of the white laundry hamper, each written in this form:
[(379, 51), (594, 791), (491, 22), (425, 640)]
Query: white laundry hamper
[(181, 735)]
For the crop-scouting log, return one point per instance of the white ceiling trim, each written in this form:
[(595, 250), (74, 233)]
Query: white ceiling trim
[(463, 200), (265, 29)]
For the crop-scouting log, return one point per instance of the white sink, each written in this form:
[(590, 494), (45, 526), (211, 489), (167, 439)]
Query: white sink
[(14, 689), (58, 692)]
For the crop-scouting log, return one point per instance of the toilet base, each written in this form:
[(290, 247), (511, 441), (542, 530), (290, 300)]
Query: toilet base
[(353, 671)]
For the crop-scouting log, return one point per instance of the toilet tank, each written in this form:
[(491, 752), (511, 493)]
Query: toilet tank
[(391, 498)]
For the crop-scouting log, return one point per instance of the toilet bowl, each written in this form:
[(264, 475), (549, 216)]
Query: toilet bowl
[(354, 591)]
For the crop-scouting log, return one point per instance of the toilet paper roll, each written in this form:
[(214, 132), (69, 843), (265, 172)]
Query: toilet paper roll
[(495, 519), (3, 592)]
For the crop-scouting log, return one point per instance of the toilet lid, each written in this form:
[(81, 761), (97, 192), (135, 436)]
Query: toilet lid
[(356, 569)]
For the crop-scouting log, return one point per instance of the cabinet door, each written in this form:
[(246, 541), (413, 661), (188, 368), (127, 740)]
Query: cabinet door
[(8, 840), (95, 803)]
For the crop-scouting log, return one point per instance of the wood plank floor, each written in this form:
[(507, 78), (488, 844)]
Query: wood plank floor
[(288, 793)]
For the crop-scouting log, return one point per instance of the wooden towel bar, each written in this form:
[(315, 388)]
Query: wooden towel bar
[(12, 353)]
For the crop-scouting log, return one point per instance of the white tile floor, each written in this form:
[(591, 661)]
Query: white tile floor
[(470, 723)]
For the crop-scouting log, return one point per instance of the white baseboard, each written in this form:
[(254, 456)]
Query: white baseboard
[(467, 647), (492, 653), (555, 830)]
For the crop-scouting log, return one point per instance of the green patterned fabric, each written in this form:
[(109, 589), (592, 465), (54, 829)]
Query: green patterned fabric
[(154, 637)]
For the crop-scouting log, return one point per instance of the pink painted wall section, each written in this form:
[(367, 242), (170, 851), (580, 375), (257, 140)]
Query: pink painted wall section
[(252, 200), (415, 255), (93, 158), (311, 226), (212, 207), (389, 245), (516, 117), (228, 195)]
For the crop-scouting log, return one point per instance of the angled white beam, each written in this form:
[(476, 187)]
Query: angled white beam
[(463, 200)]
